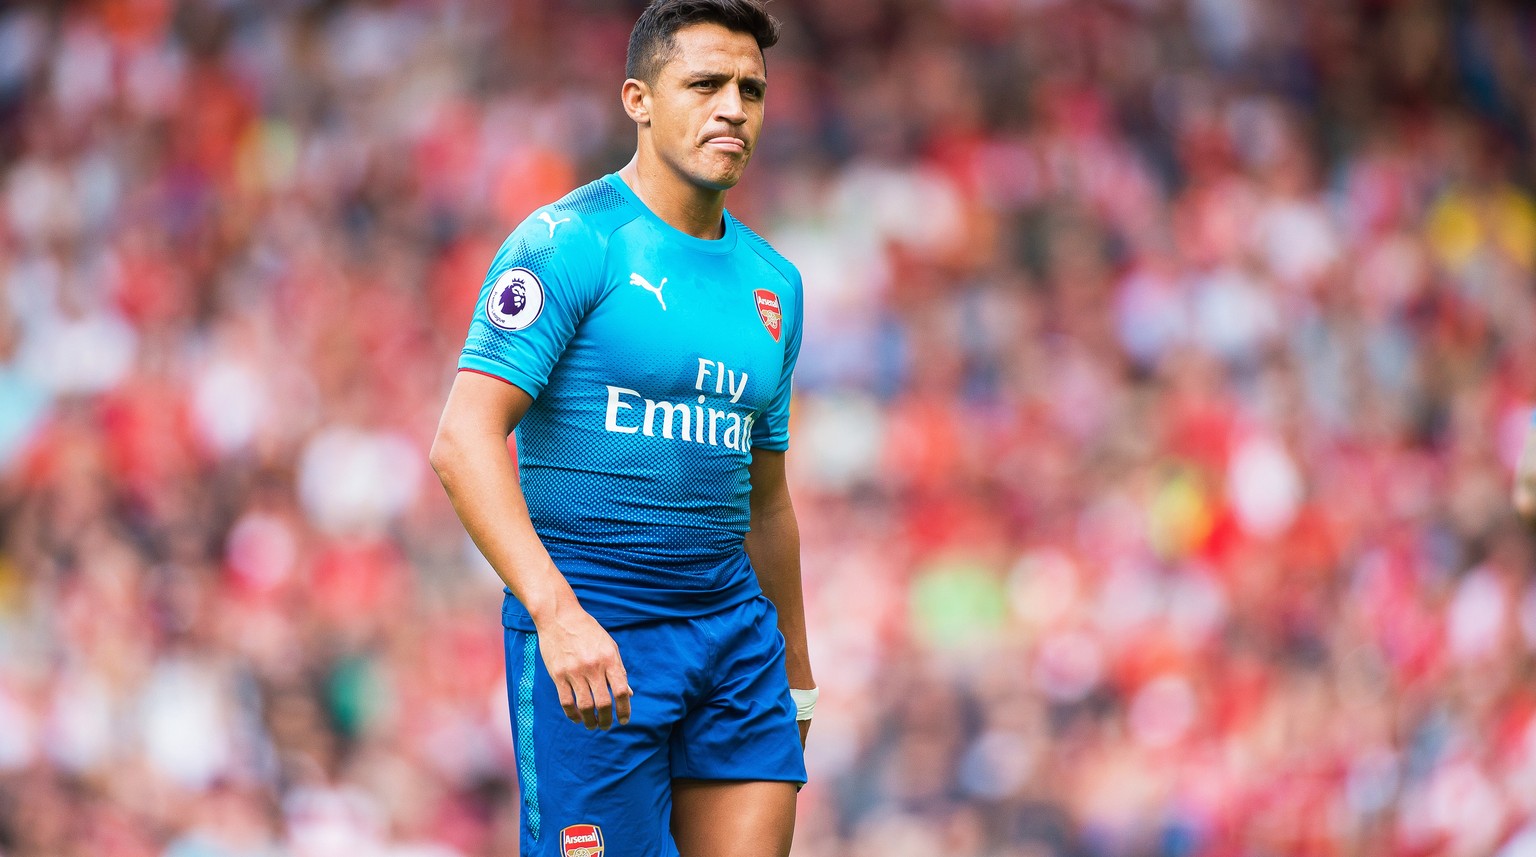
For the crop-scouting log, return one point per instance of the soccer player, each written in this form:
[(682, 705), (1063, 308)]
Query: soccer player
[(641, 340), (1525, 475)]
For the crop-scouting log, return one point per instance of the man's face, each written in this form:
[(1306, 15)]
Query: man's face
[(707, 105)]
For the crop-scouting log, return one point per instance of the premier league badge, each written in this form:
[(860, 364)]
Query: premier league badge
[(516, 300)]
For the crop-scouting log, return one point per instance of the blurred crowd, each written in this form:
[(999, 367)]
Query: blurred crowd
[(1165, 365)]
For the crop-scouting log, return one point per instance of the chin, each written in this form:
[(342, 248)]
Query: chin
[(716, 181), (718, 176)]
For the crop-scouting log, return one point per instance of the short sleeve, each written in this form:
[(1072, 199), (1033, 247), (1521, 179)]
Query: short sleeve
[(772, 430), (542, 282)]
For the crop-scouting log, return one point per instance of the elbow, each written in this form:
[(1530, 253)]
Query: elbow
[(443, 454)]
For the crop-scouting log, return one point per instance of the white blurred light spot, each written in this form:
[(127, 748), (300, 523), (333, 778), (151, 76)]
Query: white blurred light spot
[(1264, 485), (1162, 711), (262, 550), (185, 723), (1043, 586), (1069, 666), (842, 438), (85, 355), (1476, 616), (80, 723), (18, 732), (353, 481), (227, 405)]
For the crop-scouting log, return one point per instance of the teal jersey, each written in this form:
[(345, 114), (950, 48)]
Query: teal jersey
[(657, 362)]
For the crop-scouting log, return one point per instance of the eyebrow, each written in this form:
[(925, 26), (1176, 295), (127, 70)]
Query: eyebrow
[(722, 77)]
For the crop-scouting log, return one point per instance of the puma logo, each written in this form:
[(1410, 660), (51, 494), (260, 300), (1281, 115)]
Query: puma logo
[(544, 216), (637, 280)]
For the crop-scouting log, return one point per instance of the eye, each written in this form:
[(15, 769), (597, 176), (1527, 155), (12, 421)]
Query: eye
[(704, 84)]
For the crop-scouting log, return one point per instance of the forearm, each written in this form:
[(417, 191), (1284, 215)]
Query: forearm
[(481, 480), (773, 545)]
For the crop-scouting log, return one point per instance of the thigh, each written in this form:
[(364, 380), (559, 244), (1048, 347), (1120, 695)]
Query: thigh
[(712, 818), (742, 725), (591, 793)]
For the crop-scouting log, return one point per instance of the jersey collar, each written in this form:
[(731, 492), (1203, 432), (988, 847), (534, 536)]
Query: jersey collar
[(724, 244)]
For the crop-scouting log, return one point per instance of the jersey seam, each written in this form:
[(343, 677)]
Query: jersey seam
[(603, 263), (776, 269)]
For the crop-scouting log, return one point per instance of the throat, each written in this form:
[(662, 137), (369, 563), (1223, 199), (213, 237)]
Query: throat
[(683, 205)]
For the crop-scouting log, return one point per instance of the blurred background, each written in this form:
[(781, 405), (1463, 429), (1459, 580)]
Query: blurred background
[(1165, 366)]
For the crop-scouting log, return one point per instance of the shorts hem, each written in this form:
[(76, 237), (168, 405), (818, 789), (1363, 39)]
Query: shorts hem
[(780, 778)]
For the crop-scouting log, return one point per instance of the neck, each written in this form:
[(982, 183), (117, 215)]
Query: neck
[(684, 205)]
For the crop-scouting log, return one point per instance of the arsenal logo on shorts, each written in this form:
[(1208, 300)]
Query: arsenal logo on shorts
[(581, 840), (768, 311)]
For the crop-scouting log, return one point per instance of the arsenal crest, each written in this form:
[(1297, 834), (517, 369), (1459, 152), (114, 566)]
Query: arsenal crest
[(768, 310), (581, 840)]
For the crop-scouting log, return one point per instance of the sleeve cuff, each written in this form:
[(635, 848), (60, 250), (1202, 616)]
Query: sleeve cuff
[(522, 380)]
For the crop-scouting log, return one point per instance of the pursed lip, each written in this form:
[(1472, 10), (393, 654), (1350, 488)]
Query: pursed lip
[(727, 143)]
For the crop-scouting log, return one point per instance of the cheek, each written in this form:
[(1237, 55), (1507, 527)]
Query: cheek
[(679, 125)]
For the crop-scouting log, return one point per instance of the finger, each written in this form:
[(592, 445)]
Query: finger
[(622, 694), (568, 701), (585, 715), (602, 703)]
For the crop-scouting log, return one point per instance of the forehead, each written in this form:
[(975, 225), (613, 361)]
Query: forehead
[(713, 48)]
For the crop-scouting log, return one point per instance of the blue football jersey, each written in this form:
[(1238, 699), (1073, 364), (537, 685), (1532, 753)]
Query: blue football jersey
[(656, 361)]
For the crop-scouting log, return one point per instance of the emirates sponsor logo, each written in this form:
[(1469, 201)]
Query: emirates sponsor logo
[(709, 421)]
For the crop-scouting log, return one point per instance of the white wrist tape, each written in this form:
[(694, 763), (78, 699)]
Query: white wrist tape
[(805, 702)]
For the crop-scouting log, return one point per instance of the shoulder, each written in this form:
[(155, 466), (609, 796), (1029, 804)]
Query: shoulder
[(597, 207), (760, 246), (582, 220)]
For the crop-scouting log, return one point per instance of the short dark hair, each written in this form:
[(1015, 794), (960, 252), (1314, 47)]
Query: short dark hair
[(652, 41)]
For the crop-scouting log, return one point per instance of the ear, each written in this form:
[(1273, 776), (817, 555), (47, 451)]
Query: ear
[(636, 97)]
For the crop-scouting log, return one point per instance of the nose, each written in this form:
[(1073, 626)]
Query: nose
[(729, 107)]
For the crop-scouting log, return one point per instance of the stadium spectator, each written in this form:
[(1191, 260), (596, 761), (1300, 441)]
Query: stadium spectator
[(1155, 437)]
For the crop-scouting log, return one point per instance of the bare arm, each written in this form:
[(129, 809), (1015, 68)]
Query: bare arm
[(470, 456), (773, 545), (1525, 478)]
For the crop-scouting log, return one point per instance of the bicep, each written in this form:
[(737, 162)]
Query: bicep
[(481, 404)]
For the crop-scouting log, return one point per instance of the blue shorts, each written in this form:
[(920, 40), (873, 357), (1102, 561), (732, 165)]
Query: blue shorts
[(711, 702)]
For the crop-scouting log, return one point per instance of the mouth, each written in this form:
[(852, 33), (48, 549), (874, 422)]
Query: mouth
[(726, 144)]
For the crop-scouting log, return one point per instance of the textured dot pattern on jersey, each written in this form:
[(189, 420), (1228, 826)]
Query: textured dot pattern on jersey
[(594, 198), (656, 371)]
